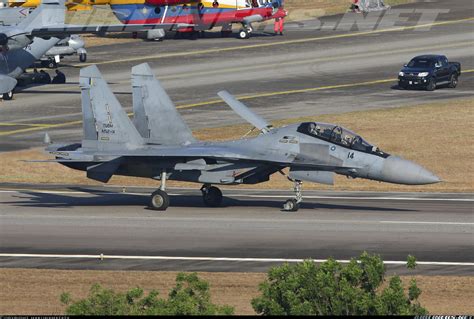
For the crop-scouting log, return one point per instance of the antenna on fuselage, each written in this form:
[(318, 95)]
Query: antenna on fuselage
[(244, 112)]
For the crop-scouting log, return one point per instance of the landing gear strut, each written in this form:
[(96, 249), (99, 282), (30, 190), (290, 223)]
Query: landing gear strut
[(293, 204), (160, 200), (211, 195)]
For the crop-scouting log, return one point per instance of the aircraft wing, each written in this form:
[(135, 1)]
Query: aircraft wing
[(66, 29)]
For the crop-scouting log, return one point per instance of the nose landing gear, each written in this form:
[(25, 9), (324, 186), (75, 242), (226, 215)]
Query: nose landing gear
[(160, 200), (211, 195), (293, 204)]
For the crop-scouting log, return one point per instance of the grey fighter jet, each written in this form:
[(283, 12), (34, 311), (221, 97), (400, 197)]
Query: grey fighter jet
[(159, 145), (24, 43)]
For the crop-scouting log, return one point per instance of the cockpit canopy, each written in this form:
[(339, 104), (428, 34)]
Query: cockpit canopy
[(340, 136)]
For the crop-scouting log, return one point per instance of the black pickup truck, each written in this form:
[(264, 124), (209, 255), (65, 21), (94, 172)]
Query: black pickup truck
[(429, 71)]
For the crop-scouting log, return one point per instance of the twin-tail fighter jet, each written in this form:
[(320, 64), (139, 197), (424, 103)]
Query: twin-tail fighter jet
[(24, 43), (159, 145)]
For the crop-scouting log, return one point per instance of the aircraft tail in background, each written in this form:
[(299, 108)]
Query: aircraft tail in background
[(155, 115)]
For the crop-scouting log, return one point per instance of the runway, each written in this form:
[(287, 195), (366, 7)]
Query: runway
[(304, 73), (70, 227)]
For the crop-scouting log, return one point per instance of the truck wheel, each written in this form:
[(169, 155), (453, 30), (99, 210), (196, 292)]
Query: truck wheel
[(82, 57), (453, 82), (431, 85)]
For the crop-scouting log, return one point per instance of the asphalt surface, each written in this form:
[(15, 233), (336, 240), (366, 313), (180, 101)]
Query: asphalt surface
[(251, 233), (304, 73)]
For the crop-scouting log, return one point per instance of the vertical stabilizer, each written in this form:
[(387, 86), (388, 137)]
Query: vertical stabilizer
[(105, 123), (48, 13), (155, 115)]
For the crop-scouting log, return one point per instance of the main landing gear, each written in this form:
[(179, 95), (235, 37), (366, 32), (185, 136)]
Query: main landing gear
[(293, 204), (160, 200), (8, 96), (245, 32), (211, 195)]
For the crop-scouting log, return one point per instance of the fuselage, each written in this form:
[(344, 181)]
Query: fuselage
[(204, 15), (294, 146)]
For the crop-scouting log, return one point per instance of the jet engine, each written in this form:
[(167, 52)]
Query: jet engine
[(167, 2), (12, 43)]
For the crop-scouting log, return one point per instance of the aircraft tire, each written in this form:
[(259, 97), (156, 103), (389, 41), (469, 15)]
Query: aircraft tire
[(291, 205), (159, 200), (52, 64), (82, 57), (244, 34), (212, 197), (7, 96)]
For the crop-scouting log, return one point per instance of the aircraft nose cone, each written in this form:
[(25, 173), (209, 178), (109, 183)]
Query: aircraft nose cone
[(401, 171)]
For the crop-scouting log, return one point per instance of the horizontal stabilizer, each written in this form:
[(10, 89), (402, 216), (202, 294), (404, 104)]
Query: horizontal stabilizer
[(245, 112), (155, 115)]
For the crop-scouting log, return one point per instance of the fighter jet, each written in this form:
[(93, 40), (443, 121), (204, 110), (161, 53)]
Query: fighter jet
[(29, 40), (159, 145)]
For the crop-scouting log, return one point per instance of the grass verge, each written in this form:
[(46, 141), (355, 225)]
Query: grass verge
[(36, 291), (438, 136)]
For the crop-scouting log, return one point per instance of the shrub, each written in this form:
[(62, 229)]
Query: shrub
[(190, 296), (334, 289)]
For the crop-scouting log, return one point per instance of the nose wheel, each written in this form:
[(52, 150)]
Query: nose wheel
[(211, 195), (293, 204), (160, 200)]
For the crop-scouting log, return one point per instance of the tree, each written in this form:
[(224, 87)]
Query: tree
[(334, 289), (190, 296)]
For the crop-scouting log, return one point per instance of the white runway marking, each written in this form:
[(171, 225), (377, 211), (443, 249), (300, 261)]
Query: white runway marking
[(427, 223), (217, 259), (251, 196)]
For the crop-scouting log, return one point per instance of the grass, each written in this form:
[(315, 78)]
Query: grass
[(28, 291), (438, 136)]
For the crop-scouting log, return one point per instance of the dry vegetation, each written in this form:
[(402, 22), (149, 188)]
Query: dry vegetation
[(438, 136), (27, 291)]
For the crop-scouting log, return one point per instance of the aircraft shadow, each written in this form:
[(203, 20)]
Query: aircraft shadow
[(104, 198)]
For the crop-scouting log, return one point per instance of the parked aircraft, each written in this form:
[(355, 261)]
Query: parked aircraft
[(203, 14), (70, 45), (71, 5), (161, 146), (29, 40)]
